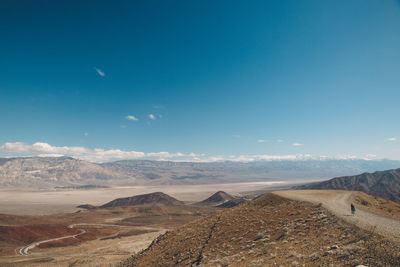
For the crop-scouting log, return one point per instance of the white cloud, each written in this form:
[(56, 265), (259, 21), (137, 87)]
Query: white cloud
[(165, 155), (86, 134), (255, 158), (102, 155), (42, 148), (370, 157), (100, 72), (261, 141), (344, 157), (151, 116), (250, 158), (95, 155), (50, 155), (297, 144), (392, 139), (279, 140), (131, 118)]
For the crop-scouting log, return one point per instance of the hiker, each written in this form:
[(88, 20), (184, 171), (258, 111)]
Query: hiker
[(353, 209)]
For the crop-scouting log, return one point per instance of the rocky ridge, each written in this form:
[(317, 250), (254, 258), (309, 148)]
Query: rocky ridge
[(265, 232), (384, 184)]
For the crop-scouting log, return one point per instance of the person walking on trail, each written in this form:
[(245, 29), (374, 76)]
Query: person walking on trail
[(353, 209)]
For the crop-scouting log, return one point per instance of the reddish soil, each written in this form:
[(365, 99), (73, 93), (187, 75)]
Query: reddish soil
[(92, 233), (12, 237), (19, 231)]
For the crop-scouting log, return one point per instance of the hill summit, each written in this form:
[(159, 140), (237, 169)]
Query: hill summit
[(269, 231), (156, 198), (216, 199)]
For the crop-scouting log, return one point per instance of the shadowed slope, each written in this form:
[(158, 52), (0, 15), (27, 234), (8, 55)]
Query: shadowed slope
[(384, 184), (216, 199)]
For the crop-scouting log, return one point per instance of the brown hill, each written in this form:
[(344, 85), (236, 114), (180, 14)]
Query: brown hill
[(216, 199), (384, 184), (157, 198), (268, 231)]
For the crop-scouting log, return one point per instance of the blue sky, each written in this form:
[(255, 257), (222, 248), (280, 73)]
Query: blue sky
[(214, 78)]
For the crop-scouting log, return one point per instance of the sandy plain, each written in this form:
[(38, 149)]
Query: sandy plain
[(25, 202)]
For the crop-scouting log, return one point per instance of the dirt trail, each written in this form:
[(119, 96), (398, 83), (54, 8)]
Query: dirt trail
[(25, 250), (338, 202)]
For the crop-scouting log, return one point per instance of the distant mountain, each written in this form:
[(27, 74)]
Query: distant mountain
[(384, 184), (70, 173), (38, 172), (157, 198), (216, 199)]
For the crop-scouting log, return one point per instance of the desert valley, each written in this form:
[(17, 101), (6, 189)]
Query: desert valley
[(252, 223), (199, 133)]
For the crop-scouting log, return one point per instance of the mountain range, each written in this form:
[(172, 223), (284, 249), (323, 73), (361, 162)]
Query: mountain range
[(384, 184), (67, 172)]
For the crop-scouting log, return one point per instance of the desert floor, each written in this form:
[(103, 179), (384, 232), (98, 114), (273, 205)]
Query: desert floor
[(62, 201)]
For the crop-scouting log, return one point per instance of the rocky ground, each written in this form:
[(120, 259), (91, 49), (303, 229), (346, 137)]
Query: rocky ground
[(270, 231), (110, 235)]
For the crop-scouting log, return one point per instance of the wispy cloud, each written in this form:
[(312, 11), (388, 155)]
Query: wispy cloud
[(279, 141), (261, 141), (100, 72), (86, 134), (392, 139), (151, 116), (297, 144), (131, 118)]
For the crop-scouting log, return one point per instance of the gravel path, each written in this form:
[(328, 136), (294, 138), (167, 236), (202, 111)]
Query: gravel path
[(338, 202)]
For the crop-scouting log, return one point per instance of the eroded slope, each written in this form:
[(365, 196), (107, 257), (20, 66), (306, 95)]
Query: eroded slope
[(271, 230)]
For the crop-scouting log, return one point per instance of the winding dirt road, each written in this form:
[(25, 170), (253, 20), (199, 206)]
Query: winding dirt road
[(25, 250), (338, 202)]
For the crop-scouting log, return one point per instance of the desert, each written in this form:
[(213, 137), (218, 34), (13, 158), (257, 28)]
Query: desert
[(199, 133)]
